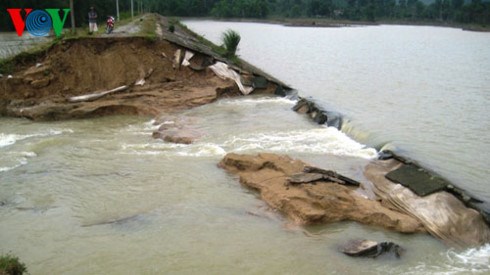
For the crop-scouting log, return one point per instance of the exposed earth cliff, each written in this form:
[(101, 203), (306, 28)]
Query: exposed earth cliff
[(149, 75)]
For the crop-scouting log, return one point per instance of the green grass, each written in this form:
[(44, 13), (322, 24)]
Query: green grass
[(148, 28), (10, 265)]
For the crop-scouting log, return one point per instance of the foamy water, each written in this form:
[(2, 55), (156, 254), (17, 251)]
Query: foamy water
[(477, 258), (469, 261), (14, 159), (317, 140), (325, 140), (251, 102), (9, 139)]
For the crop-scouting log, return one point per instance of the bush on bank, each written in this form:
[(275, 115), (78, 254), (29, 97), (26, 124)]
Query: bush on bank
[(10, 265)]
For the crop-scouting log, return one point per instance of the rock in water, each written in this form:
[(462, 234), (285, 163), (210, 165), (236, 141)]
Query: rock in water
[(180, 136), (371, 249), (176, 130), (177, 135), (359, 247), (318, 113)]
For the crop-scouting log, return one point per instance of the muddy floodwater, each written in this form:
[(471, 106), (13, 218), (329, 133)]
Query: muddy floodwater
[(101, 196)]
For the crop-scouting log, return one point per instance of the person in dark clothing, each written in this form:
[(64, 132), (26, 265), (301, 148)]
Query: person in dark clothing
[(92, 20)]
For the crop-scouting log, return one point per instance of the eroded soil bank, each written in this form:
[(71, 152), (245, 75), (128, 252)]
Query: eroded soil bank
[(42, 88), (145, 73)]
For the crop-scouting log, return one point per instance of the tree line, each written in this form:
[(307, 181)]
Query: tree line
[(444, 11), (451, 11)]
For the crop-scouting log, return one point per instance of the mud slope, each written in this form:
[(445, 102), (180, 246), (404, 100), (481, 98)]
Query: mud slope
[(42, 89)]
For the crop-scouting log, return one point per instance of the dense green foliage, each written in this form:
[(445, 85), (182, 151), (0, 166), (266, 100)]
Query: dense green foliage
[(442, 11), (231, 39), (452, 11), (11, 265)]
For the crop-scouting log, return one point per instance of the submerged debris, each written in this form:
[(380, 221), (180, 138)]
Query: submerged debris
[(313, 174), (370, 249), (418, 180), (318, 113)]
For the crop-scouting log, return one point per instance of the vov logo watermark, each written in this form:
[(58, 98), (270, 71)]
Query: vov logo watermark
[(38, 22)]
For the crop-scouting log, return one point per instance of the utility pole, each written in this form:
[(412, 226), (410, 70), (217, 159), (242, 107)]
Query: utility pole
[(72, 16), (117, 10), (132, 10)]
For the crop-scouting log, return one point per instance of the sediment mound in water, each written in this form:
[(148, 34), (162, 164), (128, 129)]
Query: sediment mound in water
[(321, 200), (99, 76), (311, 195)]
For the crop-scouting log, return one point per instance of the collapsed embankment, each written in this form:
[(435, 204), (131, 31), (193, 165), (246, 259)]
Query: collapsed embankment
[(135, 75), (148, 73)]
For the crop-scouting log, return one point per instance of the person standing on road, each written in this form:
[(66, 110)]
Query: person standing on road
[(92, 21)]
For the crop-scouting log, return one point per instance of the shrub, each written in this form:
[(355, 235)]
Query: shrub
[(171, 28), (11, 265), (231, 39)]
